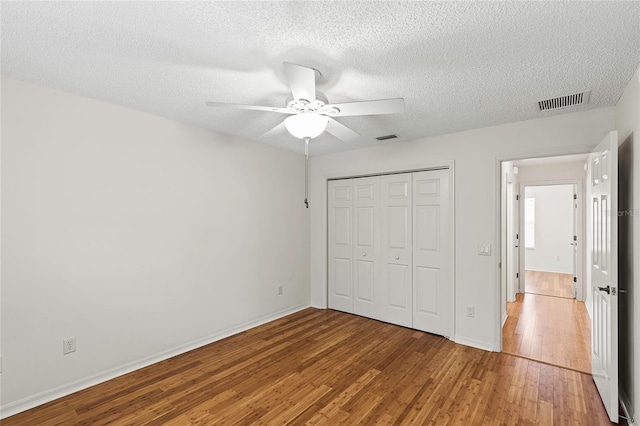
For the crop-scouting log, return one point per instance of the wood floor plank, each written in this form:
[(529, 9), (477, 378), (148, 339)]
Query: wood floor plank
[(550, 329), (321, 367), (549, 284)]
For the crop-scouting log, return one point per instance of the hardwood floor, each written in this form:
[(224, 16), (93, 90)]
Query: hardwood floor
[(549, 329), (549, 283), (326, 367)]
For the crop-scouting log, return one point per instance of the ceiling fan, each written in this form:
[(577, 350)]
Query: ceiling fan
[(310, 112), (307, 102)]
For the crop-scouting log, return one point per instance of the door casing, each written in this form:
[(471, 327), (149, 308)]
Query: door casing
[(581, 257), (498, 225)]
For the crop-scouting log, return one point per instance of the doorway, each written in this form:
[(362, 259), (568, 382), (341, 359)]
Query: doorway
[(545, 317), (550, 240)]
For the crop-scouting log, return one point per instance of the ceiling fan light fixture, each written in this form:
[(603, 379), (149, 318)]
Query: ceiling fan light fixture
[(306, 125)]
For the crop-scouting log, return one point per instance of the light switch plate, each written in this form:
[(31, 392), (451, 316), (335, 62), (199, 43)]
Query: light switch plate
[(484, 249)]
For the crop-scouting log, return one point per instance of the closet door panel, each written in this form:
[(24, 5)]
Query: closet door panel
[(395, 284), (340, 245), (431, 231), (366, 251)]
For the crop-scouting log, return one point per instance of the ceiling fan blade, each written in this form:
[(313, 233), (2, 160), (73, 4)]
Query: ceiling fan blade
[(302, 81), (253, 107), (381, 106), (341, 131), (279, 129)]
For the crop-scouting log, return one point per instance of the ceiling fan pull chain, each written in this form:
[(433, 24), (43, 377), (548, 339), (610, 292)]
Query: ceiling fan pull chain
[(306, 171)]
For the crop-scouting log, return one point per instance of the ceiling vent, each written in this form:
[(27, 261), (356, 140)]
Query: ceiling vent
[(564, 101), (384, 138)]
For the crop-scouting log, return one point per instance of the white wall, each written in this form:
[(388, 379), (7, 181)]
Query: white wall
[(553, 251), (138, 235), (628, 125), (477, 185)]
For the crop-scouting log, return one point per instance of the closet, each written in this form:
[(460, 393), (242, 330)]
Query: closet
[(389, 248)]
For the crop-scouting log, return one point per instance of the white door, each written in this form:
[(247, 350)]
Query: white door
[(431, 239), (513, 242), (366, 246), (603, 194), (396, 249), (340, 245), (574, 241)]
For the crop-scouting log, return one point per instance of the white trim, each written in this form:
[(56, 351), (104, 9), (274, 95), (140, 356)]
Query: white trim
[(389, 170), (58, 392), (504, 319), (475, 344), (625, 403)]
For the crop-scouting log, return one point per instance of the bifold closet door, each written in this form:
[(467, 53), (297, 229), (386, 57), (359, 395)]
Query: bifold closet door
[(340, 246), (431, 231), (366, 247), (395, 281)]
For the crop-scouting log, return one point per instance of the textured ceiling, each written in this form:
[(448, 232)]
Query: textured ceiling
[(458, 65)]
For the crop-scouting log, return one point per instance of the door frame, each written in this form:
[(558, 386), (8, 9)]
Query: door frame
[(497, 196), (378, 171), (582, 234)]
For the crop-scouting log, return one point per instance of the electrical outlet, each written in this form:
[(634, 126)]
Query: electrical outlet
[(471, 311), (68, 345), (280, 289)]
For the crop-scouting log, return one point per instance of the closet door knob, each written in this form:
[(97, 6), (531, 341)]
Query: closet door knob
[(397, 257), (364, 254)]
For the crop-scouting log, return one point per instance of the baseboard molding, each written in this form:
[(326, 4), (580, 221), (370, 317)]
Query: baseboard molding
[(58, 392), (474, 344), (627, 408), (504, 318), (313, 305)]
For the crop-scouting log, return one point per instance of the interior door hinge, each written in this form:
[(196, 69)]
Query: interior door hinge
[(575, 279), (575, 238), (575, 196), (517, 197), (517, 274), (517, 236)]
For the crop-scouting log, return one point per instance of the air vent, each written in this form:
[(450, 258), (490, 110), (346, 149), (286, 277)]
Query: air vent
[(384, 138), (564, 101)]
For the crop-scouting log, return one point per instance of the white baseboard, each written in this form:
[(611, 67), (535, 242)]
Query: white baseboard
[(627, 408), (313, 305), (504, 318), (58, 392), (474, 344)]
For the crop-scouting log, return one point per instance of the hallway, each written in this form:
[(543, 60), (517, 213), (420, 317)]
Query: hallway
[(550, 329)]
